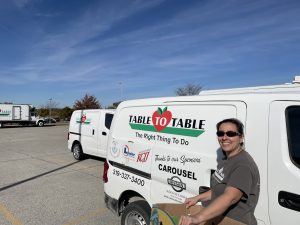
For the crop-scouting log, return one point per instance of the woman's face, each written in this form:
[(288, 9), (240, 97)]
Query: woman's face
[(230, 145)]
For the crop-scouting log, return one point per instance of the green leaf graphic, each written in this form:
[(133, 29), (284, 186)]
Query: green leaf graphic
[(165, 109), (159, 111)]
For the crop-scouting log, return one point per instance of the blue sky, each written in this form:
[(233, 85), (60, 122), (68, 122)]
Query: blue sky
[(127, 49)]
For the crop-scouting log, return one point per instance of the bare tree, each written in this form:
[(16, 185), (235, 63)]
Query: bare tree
[(87, 102), (114, 105), (189, 89), (48, 109), (51, 104)]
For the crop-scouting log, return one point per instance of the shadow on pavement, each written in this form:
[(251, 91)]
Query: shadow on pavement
[(37, 176)]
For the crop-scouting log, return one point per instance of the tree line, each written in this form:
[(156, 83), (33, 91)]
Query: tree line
[(91, 102)]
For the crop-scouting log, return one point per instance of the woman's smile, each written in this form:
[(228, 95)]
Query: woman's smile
[(230, 145)]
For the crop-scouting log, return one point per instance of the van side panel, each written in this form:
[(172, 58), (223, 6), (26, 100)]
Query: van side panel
[(166, 148), (186, 162)]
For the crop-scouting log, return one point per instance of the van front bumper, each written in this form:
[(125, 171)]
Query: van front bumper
[(111, 203)]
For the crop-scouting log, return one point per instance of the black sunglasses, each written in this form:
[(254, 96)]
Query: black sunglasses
[(221, 133)]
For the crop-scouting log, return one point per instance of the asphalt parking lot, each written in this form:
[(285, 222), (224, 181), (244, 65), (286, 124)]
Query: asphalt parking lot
[(41, 183)]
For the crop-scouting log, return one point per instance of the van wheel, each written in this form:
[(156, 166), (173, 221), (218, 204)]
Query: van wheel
[(40, 123), (137, 213), (77, 151)]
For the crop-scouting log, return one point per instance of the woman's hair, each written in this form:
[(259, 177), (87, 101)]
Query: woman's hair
[(239, 125)]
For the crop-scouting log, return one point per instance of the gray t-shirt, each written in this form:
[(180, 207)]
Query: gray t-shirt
[(241, 172)]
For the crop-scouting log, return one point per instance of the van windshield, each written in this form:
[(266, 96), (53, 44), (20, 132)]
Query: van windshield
[(293, 127)]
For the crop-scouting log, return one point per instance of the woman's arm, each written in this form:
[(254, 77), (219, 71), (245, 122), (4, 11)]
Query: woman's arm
[(230, 196), (198, 198)]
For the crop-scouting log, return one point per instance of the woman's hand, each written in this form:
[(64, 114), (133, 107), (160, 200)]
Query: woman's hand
[(188, 220), (191, 201)]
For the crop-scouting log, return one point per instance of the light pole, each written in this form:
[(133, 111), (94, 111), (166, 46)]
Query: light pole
[(121, 90), (50, 105)]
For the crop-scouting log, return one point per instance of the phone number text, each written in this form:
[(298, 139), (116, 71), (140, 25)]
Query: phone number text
[(127, 176)]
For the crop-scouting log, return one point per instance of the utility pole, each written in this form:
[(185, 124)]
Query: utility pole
[(50, 106)]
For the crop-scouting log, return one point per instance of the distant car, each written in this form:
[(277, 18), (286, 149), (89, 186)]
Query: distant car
[(48, 120)]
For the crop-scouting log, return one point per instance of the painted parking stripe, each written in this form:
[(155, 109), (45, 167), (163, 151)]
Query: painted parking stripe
[(9, 216), (86, 217)]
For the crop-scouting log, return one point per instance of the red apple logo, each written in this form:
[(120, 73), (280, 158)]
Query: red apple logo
[(161, 118), (83, 118)]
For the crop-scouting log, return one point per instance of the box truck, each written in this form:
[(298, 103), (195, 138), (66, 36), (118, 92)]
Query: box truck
[(164, 150), (21, 114), (88, 132)]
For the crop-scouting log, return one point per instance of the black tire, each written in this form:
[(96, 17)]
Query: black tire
[(40, 123), (136, 213), (77, 151)]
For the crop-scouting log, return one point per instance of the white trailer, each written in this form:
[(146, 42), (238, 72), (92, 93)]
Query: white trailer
[(19, 114)]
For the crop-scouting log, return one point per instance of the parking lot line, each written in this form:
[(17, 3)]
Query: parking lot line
[(9, 215), (87, 216)]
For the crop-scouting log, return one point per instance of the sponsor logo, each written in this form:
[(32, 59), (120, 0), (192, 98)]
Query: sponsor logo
[(176, 184), (127, 153), (143, 156), (177, 171), (163, 121), (114, 149)]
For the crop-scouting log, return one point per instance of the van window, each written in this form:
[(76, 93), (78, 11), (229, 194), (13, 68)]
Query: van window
[(108, 119), (293, 127)]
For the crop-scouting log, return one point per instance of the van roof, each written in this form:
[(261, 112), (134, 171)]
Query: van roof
[(286, 88), (289, 91)]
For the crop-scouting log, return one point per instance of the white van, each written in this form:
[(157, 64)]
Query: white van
[(164, 150), (88, 132)]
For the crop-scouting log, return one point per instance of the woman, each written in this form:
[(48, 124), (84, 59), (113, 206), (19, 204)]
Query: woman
[(234, 185)]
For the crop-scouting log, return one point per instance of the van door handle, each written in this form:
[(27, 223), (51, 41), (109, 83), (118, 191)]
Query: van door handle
[(93, 132), (289, 200), (104, 133), (130, 141)]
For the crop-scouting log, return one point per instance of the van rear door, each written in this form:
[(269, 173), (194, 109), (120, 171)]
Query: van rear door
[(284, 163), (90, 122)]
